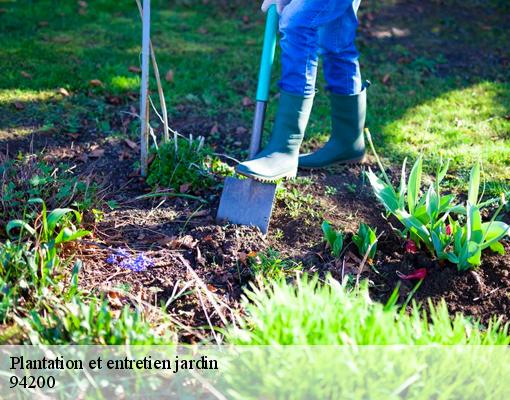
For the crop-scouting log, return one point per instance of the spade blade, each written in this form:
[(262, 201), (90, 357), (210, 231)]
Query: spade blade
[(247, 202)]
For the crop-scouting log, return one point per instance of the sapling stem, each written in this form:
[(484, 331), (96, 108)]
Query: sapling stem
[(160, 87)]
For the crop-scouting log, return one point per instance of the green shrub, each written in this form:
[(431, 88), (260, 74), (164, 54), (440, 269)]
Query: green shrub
[(191, 165), (310, 313)]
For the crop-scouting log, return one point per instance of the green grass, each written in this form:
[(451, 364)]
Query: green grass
[(214, 54), (311, 313)]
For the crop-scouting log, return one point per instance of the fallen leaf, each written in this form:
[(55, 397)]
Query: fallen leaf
[(98, 153), (242, 257), (115, 100), (420, 273), (186, 242), (114, 299), (411, 247), (211, 288), (241, 130), (215, 129), (63, 92), (124, 155), (169, 77), (247, 102), (19, 105), (95, 82), (25, 75), (134, 69), (201, 213), (200, 260), (166, 240), (132, 145), (252, 254)]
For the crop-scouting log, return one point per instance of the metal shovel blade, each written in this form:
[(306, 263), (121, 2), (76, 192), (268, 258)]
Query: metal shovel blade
[(247, 202)]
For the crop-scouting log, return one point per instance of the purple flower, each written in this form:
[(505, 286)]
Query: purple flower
[(136, 263)]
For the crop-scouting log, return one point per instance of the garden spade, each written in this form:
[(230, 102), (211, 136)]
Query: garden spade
[(247, 201)]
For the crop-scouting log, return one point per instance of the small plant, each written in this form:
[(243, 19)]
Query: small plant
[(334, 239), (448, 230), (366, 241), (270, 265), (124, 259), (297, 203), (48, 232), (330, 190), (26, 178), (189, 164), (77, 322)]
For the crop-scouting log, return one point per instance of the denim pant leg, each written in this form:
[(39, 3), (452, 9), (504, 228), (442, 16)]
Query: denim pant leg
[(300, 23), (340, 57)]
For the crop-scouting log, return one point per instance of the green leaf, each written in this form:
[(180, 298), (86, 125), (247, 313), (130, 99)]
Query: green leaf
[(384, 193), (438, 246), (403, 185), (432, 203), (493, 232), (474, 254), (474, 184), (414, 184), (338, 245), (57, 215), (416, 226), (474, 224), (18, 224), (442, 172), (69, 235), (498, 248), (329, 233)]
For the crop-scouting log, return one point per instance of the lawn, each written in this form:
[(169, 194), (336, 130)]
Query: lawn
[(148, 268)]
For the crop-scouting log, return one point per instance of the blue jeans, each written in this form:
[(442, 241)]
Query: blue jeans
[(313, 28)]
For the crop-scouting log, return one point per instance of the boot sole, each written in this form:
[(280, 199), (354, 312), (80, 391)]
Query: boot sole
[(351, 161), (286, 177)]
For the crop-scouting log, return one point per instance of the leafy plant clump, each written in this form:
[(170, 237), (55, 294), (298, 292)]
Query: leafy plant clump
[(311, 313), (449, 230), (77, 322), (25, 178), (271, 265), (188, 166), (334, 239), (366, 241)]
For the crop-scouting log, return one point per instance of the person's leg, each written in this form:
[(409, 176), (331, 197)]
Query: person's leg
[(299, 26), (347, 94)]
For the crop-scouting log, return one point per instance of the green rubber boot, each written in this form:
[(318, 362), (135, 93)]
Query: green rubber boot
[(279, 159), (347, 143)]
